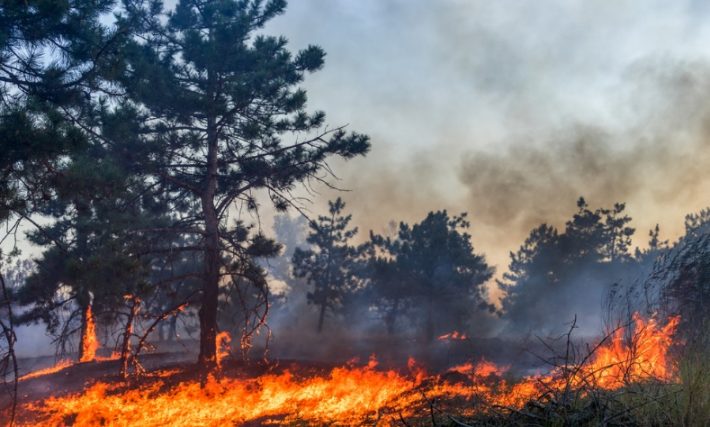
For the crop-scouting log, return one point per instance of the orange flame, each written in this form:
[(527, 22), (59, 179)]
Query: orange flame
[(223, 340), (47, 371), (352, 395), (482, 369), (89, 341), (644, 357)]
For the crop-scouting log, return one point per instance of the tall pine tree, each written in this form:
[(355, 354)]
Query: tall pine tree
[(223, 116)]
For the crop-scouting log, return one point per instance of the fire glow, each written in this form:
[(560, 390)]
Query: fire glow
[(89, 342), (453, 336), (352, 395)]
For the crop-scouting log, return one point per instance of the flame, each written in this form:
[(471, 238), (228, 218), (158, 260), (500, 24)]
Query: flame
[(89, 342), (453, 336), (482, 369), (223, 340), (345, 394), (645, 357), (47, 371), (353, 395)]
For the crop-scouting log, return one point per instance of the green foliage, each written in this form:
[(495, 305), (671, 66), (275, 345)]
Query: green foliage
[(206, 79), (52, 55), (431, 265), (331, 266), (96, 241)]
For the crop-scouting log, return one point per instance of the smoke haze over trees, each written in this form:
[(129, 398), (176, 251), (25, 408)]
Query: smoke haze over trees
[(150, 159)]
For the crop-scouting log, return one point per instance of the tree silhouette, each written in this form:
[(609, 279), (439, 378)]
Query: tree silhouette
[(556, 275), (330, 266), (431, 266)]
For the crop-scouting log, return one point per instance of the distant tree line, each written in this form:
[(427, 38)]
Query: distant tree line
[(429, 275)]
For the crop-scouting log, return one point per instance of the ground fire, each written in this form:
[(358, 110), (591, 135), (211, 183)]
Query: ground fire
[(352, 394)]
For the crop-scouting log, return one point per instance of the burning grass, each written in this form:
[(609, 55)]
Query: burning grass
[(356, 395)]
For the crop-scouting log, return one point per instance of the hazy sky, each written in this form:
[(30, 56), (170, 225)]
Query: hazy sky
[(511, 110)]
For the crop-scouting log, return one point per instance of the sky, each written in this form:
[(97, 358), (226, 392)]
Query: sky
[(511, 110)]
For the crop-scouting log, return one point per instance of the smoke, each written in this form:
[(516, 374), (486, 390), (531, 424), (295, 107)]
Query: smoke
[(657, 162), (511, 111)]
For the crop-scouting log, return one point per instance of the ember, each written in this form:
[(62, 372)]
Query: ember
[(453, 336)]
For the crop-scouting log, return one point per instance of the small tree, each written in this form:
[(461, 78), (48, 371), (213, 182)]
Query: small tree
[(330, 267), (94, 245)]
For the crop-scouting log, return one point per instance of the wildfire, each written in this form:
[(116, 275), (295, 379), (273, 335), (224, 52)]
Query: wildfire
[(353, 395), (482, 369), (223, 341), (89, 341), (646, 356), (46, 371)]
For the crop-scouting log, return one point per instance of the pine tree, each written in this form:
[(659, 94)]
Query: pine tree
[(94, 245), (223, 117), (554, 276), (436, 269), (330, 266), (52, 56)]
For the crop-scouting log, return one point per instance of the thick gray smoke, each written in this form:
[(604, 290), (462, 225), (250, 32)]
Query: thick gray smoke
[(511, 110)]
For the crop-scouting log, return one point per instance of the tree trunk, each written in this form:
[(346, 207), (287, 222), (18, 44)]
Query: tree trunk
[(210, 284), (87, 339), (208, 310), (391, 318), (127, 334), (82, 333), (429, 327)]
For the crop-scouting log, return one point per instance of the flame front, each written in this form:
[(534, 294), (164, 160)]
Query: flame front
[(46, 371), (645, 357), (353, 395)]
